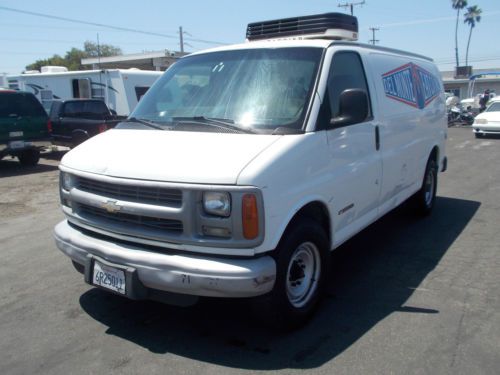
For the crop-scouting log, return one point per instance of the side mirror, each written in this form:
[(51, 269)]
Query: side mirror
[(353, 108)]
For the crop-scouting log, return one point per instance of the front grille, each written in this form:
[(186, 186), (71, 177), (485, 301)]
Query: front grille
[(132, 193), (166, 225)]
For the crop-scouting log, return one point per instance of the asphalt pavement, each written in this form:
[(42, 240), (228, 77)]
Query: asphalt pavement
[(407, 295)]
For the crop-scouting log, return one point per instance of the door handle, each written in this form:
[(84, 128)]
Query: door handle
[(377, 138)]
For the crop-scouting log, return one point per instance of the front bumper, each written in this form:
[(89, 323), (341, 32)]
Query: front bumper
[(486, 129), (175, 273), (6, 148)]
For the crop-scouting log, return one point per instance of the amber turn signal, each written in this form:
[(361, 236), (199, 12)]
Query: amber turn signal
[(250, 217)]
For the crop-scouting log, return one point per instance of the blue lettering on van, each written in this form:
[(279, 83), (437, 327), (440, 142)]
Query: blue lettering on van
[(411, 84)]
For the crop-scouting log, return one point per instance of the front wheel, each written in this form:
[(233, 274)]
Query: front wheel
[(301, 261)]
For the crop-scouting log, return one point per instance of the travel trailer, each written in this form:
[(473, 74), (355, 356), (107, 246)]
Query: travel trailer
[(120, 89), (3, 81)]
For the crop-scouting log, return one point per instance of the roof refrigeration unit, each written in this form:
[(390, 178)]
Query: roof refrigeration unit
[(336, 26)]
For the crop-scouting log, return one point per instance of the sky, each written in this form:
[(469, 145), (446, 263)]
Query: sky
[(425, 26)]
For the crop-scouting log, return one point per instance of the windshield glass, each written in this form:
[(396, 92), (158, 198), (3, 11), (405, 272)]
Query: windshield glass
[(257, 89), (494, 107)]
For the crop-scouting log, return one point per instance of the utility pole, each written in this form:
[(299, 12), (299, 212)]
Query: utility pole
[(351, 6), (181, 35), (373, 40), (182, 43), (98, 52)]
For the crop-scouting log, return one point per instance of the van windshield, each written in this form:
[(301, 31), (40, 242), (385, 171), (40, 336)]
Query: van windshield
[(257, 90)]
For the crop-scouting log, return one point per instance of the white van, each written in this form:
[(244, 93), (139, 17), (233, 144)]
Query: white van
[(251, 163)]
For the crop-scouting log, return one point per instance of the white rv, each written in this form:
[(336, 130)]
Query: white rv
[(3, 81), (120, 89)]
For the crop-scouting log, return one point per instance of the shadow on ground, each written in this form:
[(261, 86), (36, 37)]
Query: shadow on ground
[(12, 168), (373, 275)]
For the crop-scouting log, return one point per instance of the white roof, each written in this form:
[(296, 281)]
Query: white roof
[(273, 43)]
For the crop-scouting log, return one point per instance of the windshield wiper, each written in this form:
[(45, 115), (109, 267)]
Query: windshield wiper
[(150, 124), (211, 121)]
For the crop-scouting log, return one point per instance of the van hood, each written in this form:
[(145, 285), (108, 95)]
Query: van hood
[(169, 156)]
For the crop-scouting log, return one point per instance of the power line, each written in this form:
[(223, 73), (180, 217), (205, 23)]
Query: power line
[(104, 25)]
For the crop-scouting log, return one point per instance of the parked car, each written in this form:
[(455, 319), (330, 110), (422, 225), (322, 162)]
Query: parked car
[(244, 166), (24, 126), (488, 121), (75, 121)]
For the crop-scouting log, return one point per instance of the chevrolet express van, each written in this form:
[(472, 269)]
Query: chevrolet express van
[(245, 165)]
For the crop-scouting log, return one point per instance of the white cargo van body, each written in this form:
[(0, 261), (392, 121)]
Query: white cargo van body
[(120, 89), (268, 155)]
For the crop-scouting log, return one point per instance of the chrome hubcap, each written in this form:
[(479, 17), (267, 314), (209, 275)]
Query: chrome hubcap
[(303, 274)]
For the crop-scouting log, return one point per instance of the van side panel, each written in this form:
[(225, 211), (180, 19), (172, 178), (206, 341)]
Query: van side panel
[(412, 116)]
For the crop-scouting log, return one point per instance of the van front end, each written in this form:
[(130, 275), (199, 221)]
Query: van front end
[(140, 238)]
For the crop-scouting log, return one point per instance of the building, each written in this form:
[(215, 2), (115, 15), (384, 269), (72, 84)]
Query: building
[(480, 80)]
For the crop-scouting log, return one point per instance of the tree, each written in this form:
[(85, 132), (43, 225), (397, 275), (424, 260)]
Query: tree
[(73, 58), (458, 5), (472, 16), (103, 50)]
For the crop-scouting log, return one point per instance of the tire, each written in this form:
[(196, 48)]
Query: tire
[(301, 267), (78, 139), (478, 135), (424, 199), (29, 158)]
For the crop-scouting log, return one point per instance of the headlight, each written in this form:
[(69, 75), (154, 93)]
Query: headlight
[(480, 121), (67, 181), (217, 203)]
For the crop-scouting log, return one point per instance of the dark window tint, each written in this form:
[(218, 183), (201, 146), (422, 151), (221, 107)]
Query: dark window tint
[(346, 72), (85, 108), (20, 105), (140, 91), (81, 88)]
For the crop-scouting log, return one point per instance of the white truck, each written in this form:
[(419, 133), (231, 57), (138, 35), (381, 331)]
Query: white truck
[(251, 163), (120, 89)]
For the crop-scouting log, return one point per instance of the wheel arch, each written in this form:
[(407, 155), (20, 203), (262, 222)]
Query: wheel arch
[(316, 210)]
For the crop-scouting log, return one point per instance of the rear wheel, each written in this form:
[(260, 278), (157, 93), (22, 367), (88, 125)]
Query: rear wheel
[(425, 197), (79, 138), (29, 158), (301, 261)]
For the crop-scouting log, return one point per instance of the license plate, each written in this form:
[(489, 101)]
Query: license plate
[(109, 277), (15, 134), (16, 144)]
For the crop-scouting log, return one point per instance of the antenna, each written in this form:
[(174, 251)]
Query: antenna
[(351, 6)]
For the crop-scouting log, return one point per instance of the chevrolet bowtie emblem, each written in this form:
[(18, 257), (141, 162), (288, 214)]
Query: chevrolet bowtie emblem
[(111, 206)]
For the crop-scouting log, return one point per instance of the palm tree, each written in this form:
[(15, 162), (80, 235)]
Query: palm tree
[(472, 16), (458, 5)]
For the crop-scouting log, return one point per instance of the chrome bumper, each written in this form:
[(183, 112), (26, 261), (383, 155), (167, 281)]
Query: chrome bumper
[(176, 273), (5, 147)]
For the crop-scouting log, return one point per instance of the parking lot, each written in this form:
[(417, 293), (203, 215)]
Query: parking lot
[(406, 295)]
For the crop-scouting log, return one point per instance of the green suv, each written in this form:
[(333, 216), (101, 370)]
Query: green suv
[(24, 126)]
